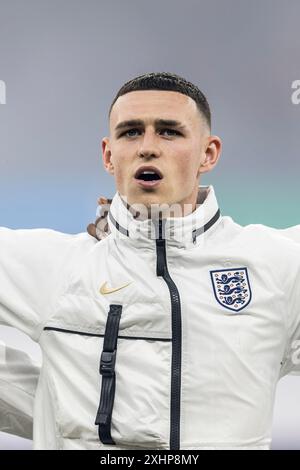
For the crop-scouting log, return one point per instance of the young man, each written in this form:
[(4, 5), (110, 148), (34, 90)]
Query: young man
[(190, 318)]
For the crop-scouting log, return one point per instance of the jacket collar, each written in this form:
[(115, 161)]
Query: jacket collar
[(119, 219)]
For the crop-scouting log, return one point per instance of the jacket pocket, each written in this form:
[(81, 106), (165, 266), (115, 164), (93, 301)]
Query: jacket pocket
[(127, 404), (135, 388)]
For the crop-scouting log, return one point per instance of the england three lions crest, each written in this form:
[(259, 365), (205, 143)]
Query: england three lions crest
[(232, 288)]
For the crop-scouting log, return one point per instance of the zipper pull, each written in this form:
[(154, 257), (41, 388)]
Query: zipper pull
[(160, 249)]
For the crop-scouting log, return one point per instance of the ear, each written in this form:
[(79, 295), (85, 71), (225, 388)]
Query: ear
[(106, 156), (211, 153)]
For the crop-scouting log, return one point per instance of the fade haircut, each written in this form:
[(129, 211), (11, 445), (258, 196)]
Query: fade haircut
[(168, 82)]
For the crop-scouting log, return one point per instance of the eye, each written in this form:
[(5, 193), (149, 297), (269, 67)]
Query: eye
[(126, 132), (137, 130), (171, 130)]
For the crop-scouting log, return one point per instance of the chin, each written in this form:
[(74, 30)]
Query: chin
[(149, 199)]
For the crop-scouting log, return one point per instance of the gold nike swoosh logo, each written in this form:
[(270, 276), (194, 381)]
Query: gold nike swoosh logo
[(106, 290)]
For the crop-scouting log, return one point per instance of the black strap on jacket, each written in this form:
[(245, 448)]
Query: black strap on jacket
[(107, 370)]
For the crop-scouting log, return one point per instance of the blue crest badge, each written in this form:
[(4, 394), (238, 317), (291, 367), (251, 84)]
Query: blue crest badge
[(232, 288)]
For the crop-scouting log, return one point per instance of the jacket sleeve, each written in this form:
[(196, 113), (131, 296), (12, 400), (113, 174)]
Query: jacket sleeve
[(18, 380), (32, 269), (291, 360)]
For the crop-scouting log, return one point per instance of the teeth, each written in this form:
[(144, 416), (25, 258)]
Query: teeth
[(148, 175)]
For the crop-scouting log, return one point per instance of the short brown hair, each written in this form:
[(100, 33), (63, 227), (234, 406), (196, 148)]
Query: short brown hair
[(167, 81)]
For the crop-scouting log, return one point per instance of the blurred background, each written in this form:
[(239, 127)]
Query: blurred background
[(63, 61)]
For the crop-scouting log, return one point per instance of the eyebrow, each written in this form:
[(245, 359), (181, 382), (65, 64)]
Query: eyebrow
[(157, 122)]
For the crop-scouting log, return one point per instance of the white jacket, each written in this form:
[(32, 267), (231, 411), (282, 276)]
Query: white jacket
[(198, 319), (18, 380)]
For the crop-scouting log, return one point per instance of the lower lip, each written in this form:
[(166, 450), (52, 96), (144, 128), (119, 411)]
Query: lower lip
[(148, 184)]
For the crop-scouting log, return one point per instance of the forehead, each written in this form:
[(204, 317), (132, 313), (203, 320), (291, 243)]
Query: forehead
[(154, 104)]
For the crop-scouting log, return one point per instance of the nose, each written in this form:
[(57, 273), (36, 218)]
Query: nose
[(149, 146)]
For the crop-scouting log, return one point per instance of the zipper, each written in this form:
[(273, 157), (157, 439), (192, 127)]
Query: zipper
[(107, 370), (162, 270)]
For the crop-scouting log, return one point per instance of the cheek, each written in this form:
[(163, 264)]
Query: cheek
[(186, 169), (119, 173), (121, 155), (118, 161)]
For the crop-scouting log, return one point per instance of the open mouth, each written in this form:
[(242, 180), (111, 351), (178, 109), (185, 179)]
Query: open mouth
[(148, 174)]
